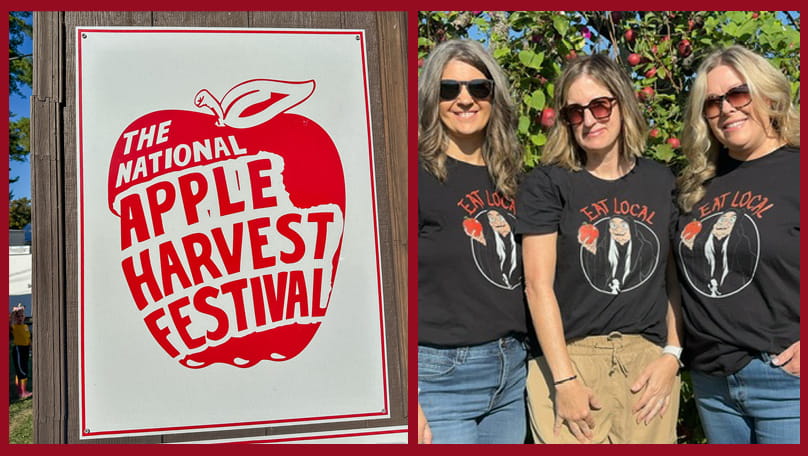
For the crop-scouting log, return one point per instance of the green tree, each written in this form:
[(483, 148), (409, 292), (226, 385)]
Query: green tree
[(532, 46), (19, 213), (20, 68)]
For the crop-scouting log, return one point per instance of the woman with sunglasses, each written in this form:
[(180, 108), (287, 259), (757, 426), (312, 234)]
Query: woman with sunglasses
[(596, 220), (471, 311), (738, 249)]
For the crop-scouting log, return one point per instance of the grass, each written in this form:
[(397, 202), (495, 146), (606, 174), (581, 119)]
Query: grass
[(20, 421), (20, 413)]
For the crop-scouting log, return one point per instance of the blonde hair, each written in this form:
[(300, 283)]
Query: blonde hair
[(561, 148), (501, 150), (771, 97)]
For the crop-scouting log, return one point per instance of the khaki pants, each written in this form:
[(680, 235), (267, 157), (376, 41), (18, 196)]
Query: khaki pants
[(608, 365)]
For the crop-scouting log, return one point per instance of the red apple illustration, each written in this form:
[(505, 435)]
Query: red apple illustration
[(654, 132), (674, 142), (474, 229), (231, 223), (634, 59), (689, 233), (588, 236), (650, 73)]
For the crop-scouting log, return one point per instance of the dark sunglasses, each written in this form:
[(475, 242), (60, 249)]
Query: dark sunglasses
[(478, 88), (737, 97), (601, 109)]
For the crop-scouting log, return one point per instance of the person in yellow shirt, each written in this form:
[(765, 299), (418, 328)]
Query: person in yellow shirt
[(22, 347)]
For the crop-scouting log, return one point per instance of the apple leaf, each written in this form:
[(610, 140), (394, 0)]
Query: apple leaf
[(663, 152), (561, 24), (536, 100), (530, 59), (524, 124), (538, 139)]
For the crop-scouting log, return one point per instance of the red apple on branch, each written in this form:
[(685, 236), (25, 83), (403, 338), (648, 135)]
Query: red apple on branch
[(548, 117), (685, 48), (634, 59)]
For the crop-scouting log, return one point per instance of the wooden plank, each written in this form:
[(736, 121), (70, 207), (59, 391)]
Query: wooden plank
[(392, 66), (47, 280)]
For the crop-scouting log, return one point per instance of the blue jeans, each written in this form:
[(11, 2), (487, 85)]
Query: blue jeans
[(758, 404), (474, 394)]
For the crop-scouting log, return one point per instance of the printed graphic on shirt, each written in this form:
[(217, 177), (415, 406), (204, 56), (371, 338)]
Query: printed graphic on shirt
[(720, 252), (490, 227), (619, 250)]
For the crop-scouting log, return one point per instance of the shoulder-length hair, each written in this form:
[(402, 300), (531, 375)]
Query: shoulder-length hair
[(771, 97), (561, 148), (501, 150)]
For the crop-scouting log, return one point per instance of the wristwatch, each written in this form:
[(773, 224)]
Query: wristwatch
[(674, 351)]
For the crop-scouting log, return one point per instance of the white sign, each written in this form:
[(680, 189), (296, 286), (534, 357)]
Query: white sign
[(228, 275)]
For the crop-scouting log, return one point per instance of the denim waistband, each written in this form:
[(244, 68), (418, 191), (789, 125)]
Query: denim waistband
[(494, 346)]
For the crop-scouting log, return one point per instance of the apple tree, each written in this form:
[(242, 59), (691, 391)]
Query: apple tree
[(660, 50)]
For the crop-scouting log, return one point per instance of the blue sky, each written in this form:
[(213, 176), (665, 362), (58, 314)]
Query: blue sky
[(21, 107)]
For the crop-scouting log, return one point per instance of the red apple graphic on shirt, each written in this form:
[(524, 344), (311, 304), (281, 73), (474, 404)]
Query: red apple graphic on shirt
[(231, 223), (689, 233), (474, 229), (588, 236)]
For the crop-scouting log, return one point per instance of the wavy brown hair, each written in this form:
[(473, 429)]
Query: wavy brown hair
[(501, 150), (771, 97), (561, 148)]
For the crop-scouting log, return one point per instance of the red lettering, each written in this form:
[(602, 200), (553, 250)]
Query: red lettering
[(170, 265), (230, 257), (157, 208), (181, 322), (201, 259), (316, 310), (236, 291), (321, 219), (136, 281), (190, 197), (258, 183), (258, 241), (275, 295), (258, 301), (297, 295), (132, 219), (160, 334), (201, 304), (226, 207), (285, 230)]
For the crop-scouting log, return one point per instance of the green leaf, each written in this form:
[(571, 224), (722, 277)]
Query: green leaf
[(501, 52), (538, 139), (530, 59), (561, 24), (524, 124), (663, 152), (536, 100)]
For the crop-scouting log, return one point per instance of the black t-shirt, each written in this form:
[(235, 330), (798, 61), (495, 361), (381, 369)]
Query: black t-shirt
[(613, 279), (469, 285), (738, 252)]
